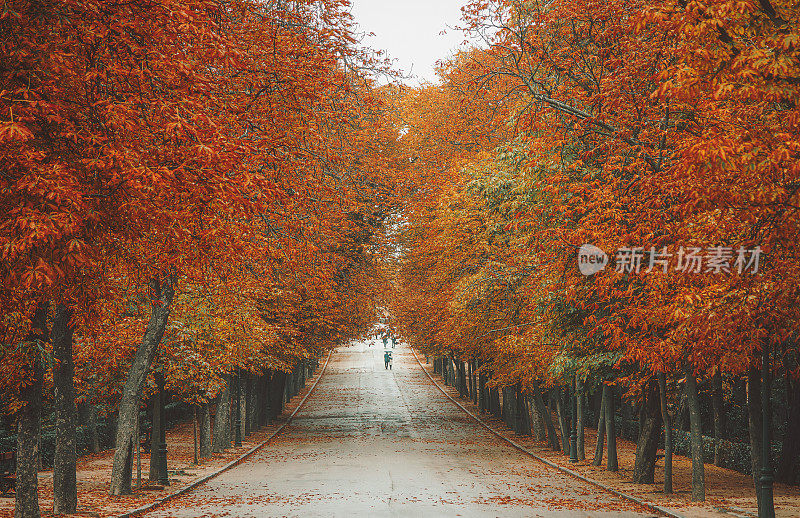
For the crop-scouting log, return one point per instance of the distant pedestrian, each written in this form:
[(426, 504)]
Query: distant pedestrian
[(385, 340), (387, 359), (393, 341)]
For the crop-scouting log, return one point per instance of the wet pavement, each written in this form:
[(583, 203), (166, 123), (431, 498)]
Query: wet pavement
[(378, 443)]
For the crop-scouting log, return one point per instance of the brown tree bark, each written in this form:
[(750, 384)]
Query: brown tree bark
[(522, 424), (719, 417), (580, 394), (26, 503), (538, 400), (222, 438), (562, 407), (698, 468), (612, 462), (163, 293), (601, 430), (649, 434), (665, 418), (788, 469), (754, 421), (65, 489)]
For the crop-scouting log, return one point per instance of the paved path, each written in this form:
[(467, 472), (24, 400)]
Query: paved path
[(375, 442)]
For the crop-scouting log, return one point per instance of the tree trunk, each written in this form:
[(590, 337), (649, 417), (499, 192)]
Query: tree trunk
[(788, 469), (552, 437), (508, 417), (483, 396), (665, 418), (158, 435), (248, 403), (612, 463), (222, 438), (276, 401), (155, 434), (538, 428), (236, 388), (470, 382), (696, 424), (267, 402), (754, 427), (581, 421), (194, 435), (463, 390), (601, 429), (562, 407), (26, 504), (649, 434), (94, 445), (521, 413), (494, 402), (65, 489), (719, 417), (204, 422), (132, 390)]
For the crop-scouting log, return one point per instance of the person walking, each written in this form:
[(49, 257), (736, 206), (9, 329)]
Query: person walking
[(385, 339), (393, 341), (387, 359)]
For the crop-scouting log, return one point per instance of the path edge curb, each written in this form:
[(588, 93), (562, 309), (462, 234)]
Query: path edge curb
[(651, 506), (152, 505)]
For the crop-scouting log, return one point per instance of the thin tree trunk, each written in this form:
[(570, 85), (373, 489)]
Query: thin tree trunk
[(612, 463), (138, 451), (698, 468), (754, 427), (719, 417), (222, 438), (93, 433), (601, 429), (665, 418), (65, 489), (494, 402), (267, 403), (523, 423), (194, 434), (205, 431), (483, 396), (26, 504), (155, 434), (563, 419), (248, 403), (237, 408), (581, 421), (132, 390), (788, 469)]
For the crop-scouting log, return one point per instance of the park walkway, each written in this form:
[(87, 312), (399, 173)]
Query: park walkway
[(376, 442)]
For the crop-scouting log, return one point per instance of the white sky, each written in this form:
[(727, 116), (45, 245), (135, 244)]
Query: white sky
[(409, 31)]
